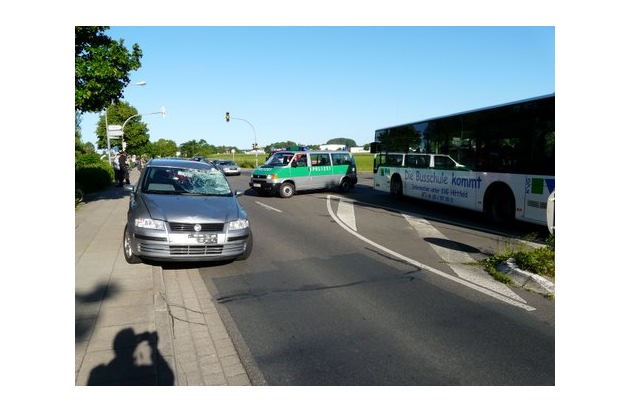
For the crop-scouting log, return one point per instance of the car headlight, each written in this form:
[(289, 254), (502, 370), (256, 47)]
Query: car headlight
[(238, 224), (150, 224)]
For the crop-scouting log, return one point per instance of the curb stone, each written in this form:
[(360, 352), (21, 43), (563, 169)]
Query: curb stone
[(527, 279)]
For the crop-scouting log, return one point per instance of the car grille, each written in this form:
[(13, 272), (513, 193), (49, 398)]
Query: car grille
[(200, 250), (195, 250), (190, 227)]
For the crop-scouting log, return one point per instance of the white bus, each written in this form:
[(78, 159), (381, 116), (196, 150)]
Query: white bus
[(498, 160)]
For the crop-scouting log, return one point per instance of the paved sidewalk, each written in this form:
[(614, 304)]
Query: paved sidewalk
[(136, 325)]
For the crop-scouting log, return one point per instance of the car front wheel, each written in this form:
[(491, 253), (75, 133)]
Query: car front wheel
[(129, 256)]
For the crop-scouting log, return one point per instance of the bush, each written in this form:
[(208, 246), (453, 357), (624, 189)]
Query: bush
[(92, 174), (540, 260)]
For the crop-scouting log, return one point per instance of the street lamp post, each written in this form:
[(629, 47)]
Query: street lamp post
[(109, 147), (122, 129), (227, 119)]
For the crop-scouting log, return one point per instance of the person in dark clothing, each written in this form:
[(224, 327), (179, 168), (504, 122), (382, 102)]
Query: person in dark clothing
[(123, 177)]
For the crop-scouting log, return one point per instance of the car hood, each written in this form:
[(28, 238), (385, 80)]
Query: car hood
[(191, 209)]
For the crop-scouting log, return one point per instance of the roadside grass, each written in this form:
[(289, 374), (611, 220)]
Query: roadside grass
[(539, 260)]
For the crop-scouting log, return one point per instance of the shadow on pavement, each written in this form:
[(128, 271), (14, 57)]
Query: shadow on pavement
[(137, 362)]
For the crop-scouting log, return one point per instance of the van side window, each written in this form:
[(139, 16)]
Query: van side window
[(320, 159), (341, 159), (299, 160)]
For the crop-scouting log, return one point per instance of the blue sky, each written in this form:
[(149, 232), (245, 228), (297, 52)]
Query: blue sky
[(313, 84)]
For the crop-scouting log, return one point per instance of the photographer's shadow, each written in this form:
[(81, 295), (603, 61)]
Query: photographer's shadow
[(138, 362)]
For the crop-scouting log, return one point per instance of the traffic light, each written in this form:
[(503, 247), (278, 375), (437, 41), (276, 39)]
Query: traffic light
[(227, 116)]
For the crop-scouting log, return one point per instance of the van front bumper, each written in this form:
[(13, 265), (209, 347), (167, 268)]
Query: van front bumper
[(264, 186)]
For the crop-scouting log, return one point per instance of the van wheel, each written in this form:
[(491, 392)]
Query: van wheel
[(127, 251), (345, 186), (287, 190)]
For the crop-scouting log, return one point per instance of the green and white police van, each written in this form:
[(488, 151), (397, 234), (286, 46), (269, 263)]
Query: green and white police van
[(287, 172)]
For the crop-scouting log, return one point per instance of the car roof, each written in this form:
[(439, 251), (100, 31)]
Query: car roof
[(177, 162)]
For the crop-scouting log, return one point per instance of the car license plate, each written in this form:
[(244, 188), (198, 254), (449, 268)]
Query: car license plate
[(204, 237), (256, 184)]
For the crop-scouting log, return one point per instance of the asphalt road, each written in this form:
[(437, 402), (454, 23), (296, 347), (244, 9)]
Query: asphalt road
[(356, 290)]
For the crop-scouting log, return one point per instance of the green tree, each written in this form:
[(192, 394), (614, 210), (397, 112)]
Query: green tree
[(342, 140), (80, 148), (196, 148), (136, 132), (163, 148), (279, 145), (101, 68)]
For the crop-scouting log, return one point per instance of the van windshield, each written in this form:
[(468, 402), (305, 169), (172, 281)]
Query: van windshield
[(279, 159)]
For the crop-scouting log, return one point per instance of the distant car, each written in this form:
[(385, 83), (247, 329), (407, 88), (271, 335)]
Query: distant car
[(228, 167), (184, 210), (203, 159)]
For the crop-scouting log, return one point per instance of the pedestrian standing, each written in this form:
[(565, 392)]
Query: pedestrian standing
[(117, 170), (124, 168)]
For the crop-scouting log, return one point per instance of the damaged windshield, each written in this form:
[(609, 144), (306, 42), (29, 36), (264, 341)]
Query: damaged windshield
[(185, 181)]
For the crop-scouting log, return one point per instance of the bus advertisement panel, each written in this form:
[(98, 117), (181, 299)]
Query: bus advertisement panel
[(498, 160)]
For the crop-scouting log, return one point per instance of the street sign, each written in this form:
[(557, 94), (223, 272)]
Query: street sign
[(114, 130)]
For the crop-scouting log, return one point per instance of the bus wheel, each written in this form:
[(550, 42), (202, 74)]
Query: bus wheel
[(395, 187), (502, 207), (287, 190), (345, 186)]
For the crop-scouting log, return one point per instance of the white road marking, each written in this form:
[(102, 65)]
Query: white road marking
[(459, 261), (268, 207), (345, 212), (419, 265)]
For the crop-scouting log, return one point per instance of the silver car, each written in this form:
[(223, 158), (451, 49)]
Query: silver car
[(183, 210), (228, 167)]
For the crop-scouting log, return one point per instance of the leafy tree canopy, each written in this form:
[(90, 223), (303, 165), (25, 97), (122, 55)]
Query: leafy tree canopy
[(342, 140), (163, 148), (136, 132), (196, 148), (102, 66)]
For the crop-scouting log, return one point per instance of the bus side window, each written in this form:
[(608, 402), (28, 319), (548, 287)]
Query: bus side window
[(393, 160), (439, 162), (423, 161), (411, 161)]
